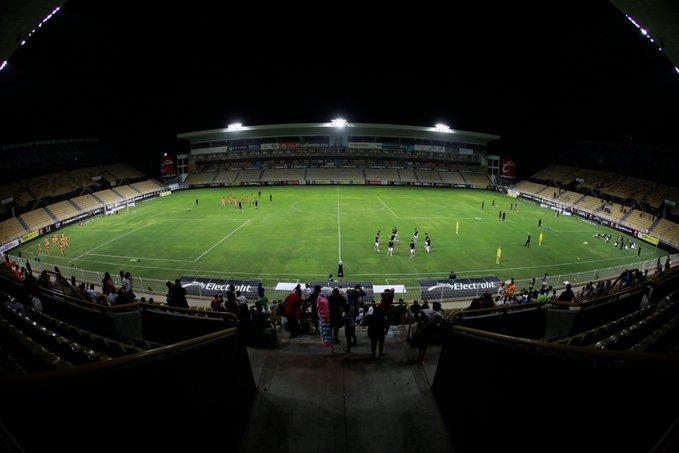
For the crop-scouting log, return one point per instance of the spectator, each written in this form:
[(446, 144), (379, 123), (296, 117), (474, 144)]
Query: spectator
[(216, 303), (231, 304), (258, 313), (177, 295), (567, 294), (452, 276), (337, 304), (260, 290), (415, 309), (169, 297), (312, 300), (107, 286), (486, 301), (292, 311), (244, 314), (126, 282), (377, 329), (241, 299), (92, 293), (349, 328), (431, 315)]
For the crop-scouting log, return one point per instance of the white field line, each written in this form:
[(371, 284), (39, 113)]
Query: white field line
[(280, 274), (139, 257), (387, 206), (114, 239), (221, 240), (339, 229)]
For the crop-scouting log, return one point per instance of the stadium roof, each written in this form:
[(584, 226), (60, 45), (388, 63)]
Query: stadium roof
[(18, 19), (310, 129), (660, 18)]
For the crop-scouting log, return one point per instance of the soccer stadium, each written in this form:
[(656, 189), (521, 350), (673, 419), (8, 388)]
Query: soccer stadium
[(243, 270)]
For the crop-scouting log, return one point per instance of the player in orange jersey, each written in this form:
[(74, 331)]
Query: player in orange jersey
[(62, 246), (47, 245), (55, 238)]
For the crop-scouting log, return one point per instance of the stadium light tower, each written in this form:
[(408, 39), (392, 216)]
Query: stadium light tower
[(234, 127), (444, 128), (338, 122)]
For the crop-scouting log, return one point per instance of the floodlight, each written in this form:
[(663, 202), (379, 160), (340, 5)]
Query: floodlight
[(234, 127), (440, 127), (338, 122), (676, 68), (23, 42), (644, 32)]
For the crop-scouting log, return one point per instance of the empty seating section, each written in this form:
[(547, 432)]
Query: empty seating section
[(408, 175), (477, 179), (430, 176), (37, 219), (108, 196), (451, 177), (590, 204), (530, 187), (640, 220), (11, 229), (617, 212), (63, 210), (381, 174), (146, 187), (226, 177), (201, 178), (334, 174), (560, 173), (55, 184), (87, 202), (126, 191), (350, 174), (251, 175), (283, 174), (567, 197), (667, 231)]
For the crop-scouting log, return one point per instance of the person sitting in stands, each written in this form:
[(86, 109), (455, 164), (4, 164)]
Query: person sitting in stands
[(567, 295), (91, 293), (216, 304)]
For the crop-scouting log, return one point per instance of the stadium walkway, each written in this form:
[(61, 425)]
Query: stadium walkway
[(313, 400)]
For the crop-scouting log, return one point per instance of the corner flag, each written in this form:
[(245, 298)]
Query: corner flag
[(498, 256), (540, 241)]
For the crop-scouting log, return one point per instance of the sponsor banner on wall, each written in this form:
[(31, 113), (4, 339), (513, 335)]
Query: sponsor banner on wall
[(627, 230), (365, 145), (458, 288), (29, 236), (465, 151), (211, 286), (289, 145), (648, 238), (165, 193), (238, 148), (429, 148), (253, 147), (269, 146), (314, 145), (167, 165), (327, 287), (508, 167), (9, 245)]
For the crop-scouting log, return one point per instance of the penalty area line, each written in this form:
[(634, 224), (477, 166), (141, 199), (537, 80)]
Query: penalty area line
[(221, 240), (387, 206)]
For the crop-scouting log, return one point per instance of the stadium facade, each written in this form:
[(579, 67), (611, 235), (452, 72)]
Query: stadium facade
[(338, 152)]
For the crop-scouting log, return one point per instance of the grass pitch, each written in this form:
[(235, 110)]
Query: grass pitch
[(304, 231)]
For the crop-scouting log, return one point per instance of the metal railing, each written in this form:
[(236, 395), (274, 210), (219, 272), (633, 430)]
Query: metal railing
[(143, 284)]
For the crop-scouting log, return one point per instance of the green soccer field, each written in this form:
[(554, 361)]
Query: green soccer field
[(304, 231)]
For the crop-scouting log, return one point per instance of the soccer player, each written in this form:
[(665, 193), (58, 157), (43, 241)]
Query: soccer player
[(39, 248), (639, 252), (47, 246), (196, 201), (256, 204), (55, 239), (416, 236), (427, 244), (483, 204), (340, 270), (392, 238), (62, 247), (240, 205), (66, 241), (527, 244), (412, 249), (539, 223), (493, 203), (504, 214), (270, 197), (390, 248), (377, 242), (223, 201), (499, 216)]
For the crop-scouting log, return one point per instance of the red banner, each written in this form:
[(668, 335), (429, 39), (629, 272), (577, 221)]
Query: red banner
[(508, 167), (167, 165)]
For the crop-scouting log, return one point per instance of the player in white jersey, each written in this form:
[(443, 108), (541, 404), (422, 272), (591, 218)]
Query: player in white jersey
[(390, 249), (412, 249), (427, 244), (377, 243), (416, 235)]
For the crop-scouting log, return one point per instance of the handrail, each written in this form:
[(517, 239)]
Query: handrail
[(499, 309), (569, 349), (120, 361)]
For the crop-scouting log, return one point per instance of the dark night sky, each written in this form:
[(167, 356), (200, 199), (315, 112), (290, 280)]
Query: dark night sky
[(539, 76)]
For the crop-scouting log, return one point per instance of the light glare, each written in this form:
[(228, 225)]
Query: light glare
[(338, 122), (234, 127), (440, 127)]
